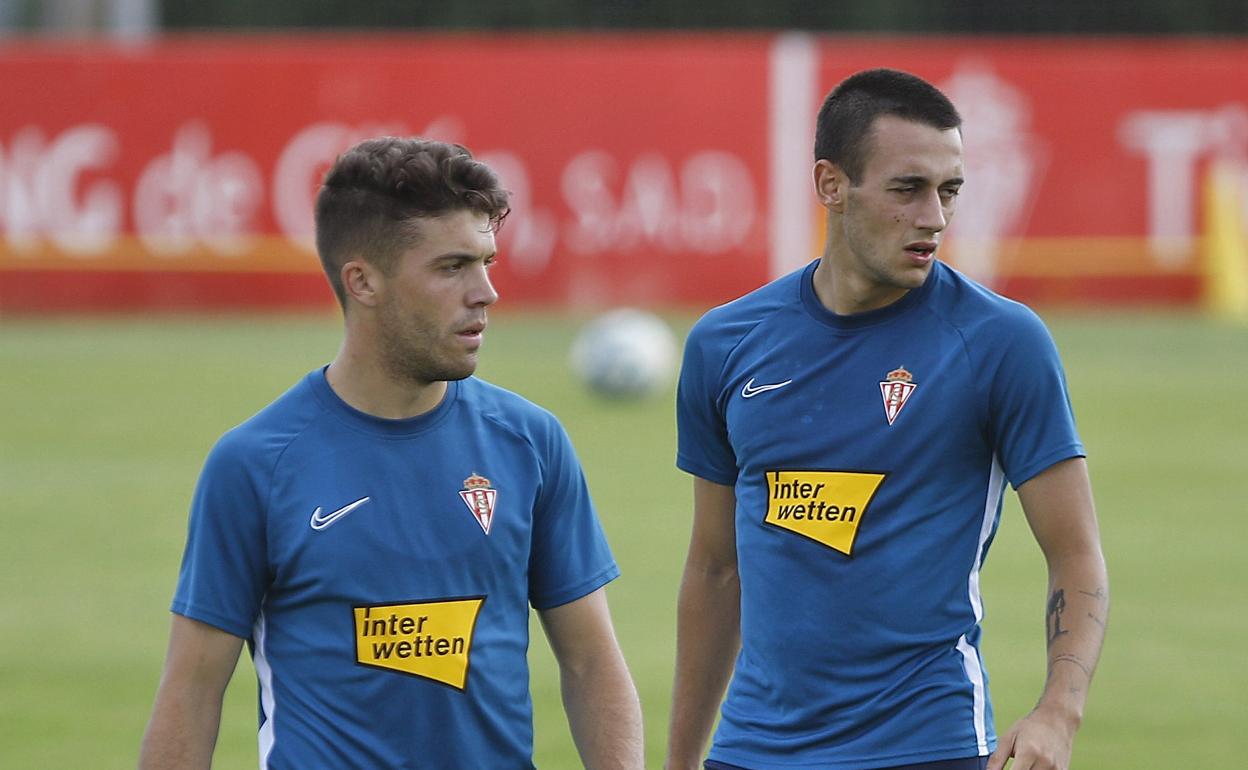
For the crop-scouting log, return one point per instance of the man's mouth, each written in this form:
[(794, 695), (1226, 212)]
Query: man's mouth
[(921, 251), (472, 331)]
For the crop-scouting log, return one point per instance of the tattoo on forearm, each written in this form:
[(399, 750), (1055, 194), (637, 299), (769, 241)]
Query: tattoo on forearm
[(1098, 594), (1053, 618), (1096, 620), (1070, 659)]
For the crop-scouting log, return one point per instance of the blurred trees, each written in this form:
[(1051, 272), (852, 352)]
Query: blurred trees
[(1216, 17), (136, 18)]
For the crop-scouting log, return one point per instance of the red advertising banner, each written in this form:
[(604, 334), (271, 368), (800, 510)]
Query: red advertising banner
[(1087, 160), (646, 169), (184, 172)]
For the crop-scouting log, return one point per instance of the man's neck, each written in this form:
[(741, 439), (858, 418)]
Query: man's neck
[(364, 384), (845, 293)]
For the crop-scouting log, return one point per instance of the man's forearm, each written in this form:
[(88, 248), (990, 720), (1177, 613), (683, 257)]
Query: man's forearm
[(182, 734), (604, 715), (185, 719), (708, 636), (1076, 616)]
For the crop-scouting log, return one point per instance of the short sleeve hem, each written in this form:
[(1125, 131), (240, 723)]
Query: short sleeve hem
[(584, 588), (1036, 467), (210, 618), (704, 471)]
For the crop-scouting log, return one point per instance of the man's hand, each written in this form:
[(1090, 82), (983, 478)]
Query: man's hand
[(1058, 506), (1042, 740)]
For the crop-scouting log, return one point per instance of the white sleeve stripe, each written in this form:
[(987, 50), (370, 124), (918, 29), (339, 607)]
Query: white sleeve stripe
[(970, 656), (975, 672), (268, 702), (996, 487)]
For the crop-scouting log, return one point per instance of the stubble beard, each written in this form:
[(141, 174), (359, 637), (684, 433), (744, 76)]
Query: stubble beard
[(871, 266), (881, 271), (411, 356), (875, 281)]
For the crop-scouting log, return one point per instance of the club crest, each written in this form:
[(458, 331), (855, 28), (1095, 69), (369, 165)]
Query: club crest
[(896, 389), (480, 496)]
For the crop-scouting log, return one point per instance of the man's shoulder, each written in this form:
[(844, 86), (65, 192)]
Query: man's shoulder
[(977, 310), (729, 322), (273, 427), (504, 407)]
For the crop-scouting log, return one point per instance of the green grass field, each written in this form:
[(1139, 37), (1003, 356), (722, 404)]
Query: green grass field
[(104, 423)]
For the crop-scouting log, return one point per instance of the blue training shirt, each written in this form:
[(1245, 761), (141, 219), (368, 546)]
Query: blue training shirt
[(382, 572), (869, 455)]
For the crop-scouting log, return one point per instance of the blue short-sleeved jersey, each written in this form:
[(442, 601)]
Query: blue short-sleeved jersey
[(869, 455), (382, 572)]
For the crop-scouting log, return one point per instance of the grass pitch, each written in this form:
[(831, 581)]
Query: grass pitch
[(105, 422)]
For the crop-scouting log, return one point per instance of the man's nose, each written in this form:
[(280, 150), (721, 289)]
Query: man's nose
[(481, 293), (933, 215)]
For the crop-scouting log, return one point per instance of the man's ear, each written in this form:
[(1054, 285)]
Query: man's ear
[(361, 281), (831, 185)]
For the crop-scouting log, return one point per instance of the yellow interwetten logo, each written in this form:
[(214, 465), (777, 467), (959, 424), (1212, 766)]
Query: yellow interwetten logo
[(427, 639), (825, 506)]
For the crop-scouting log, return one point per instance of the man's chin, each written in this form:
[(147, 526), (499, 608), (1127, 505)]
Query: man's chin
[(445, 372), (916, 276), (461, 371)]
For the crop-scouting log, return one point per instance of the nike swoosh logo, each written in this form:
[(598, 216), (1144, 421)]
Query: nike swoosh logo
[(320, 522), (750, 390)]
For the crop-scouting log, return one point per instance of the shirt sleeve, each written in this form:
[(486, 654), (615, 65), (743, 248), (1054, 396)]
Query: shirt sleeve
[(702, 445), (1031, 418), (224, 575), (569, 557)]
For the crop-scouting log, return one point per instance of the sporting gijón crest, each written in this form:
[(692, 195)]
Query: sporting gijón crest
[(896, 389), (480, 496)]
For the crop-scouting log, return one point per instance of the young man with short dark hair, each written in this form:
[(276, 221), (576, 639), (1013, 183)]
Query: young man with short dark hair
[(851, 428), (378, 534)]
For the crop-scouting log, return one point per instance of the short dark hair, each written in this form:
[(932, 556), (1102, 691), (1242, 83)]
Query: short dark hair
[(370, 197), (843, 129)]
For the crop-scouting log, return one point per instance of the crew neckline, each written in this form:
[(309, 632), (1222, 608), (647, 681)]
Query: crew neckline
[(371, 423), (822, 314)]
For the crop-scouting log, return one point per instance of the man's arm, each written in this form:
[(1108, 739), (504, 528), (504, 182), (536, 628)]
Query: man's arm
[(599, 696), (183, 729), (708, 624), (1059, 509)]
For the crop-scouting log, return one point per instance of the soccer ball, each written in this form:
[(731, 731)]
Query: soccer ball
[(624, 354)]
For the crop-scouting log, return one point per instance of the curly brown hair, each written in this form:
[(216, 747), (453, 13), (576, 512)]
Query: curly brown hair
[(370, 197)]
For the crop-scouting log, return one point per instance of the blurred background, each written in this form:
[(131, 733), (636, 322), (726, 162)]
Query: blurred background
[(158, 162), (1114, 17), (152, 153)]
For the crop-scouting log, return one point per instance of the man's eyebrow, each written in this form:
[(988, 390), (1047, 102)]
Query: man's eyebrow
[(919, 179), (462, 256)]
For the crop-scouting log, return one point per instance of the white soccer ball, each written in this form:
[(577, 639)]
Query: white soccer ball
[(625, 353)]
